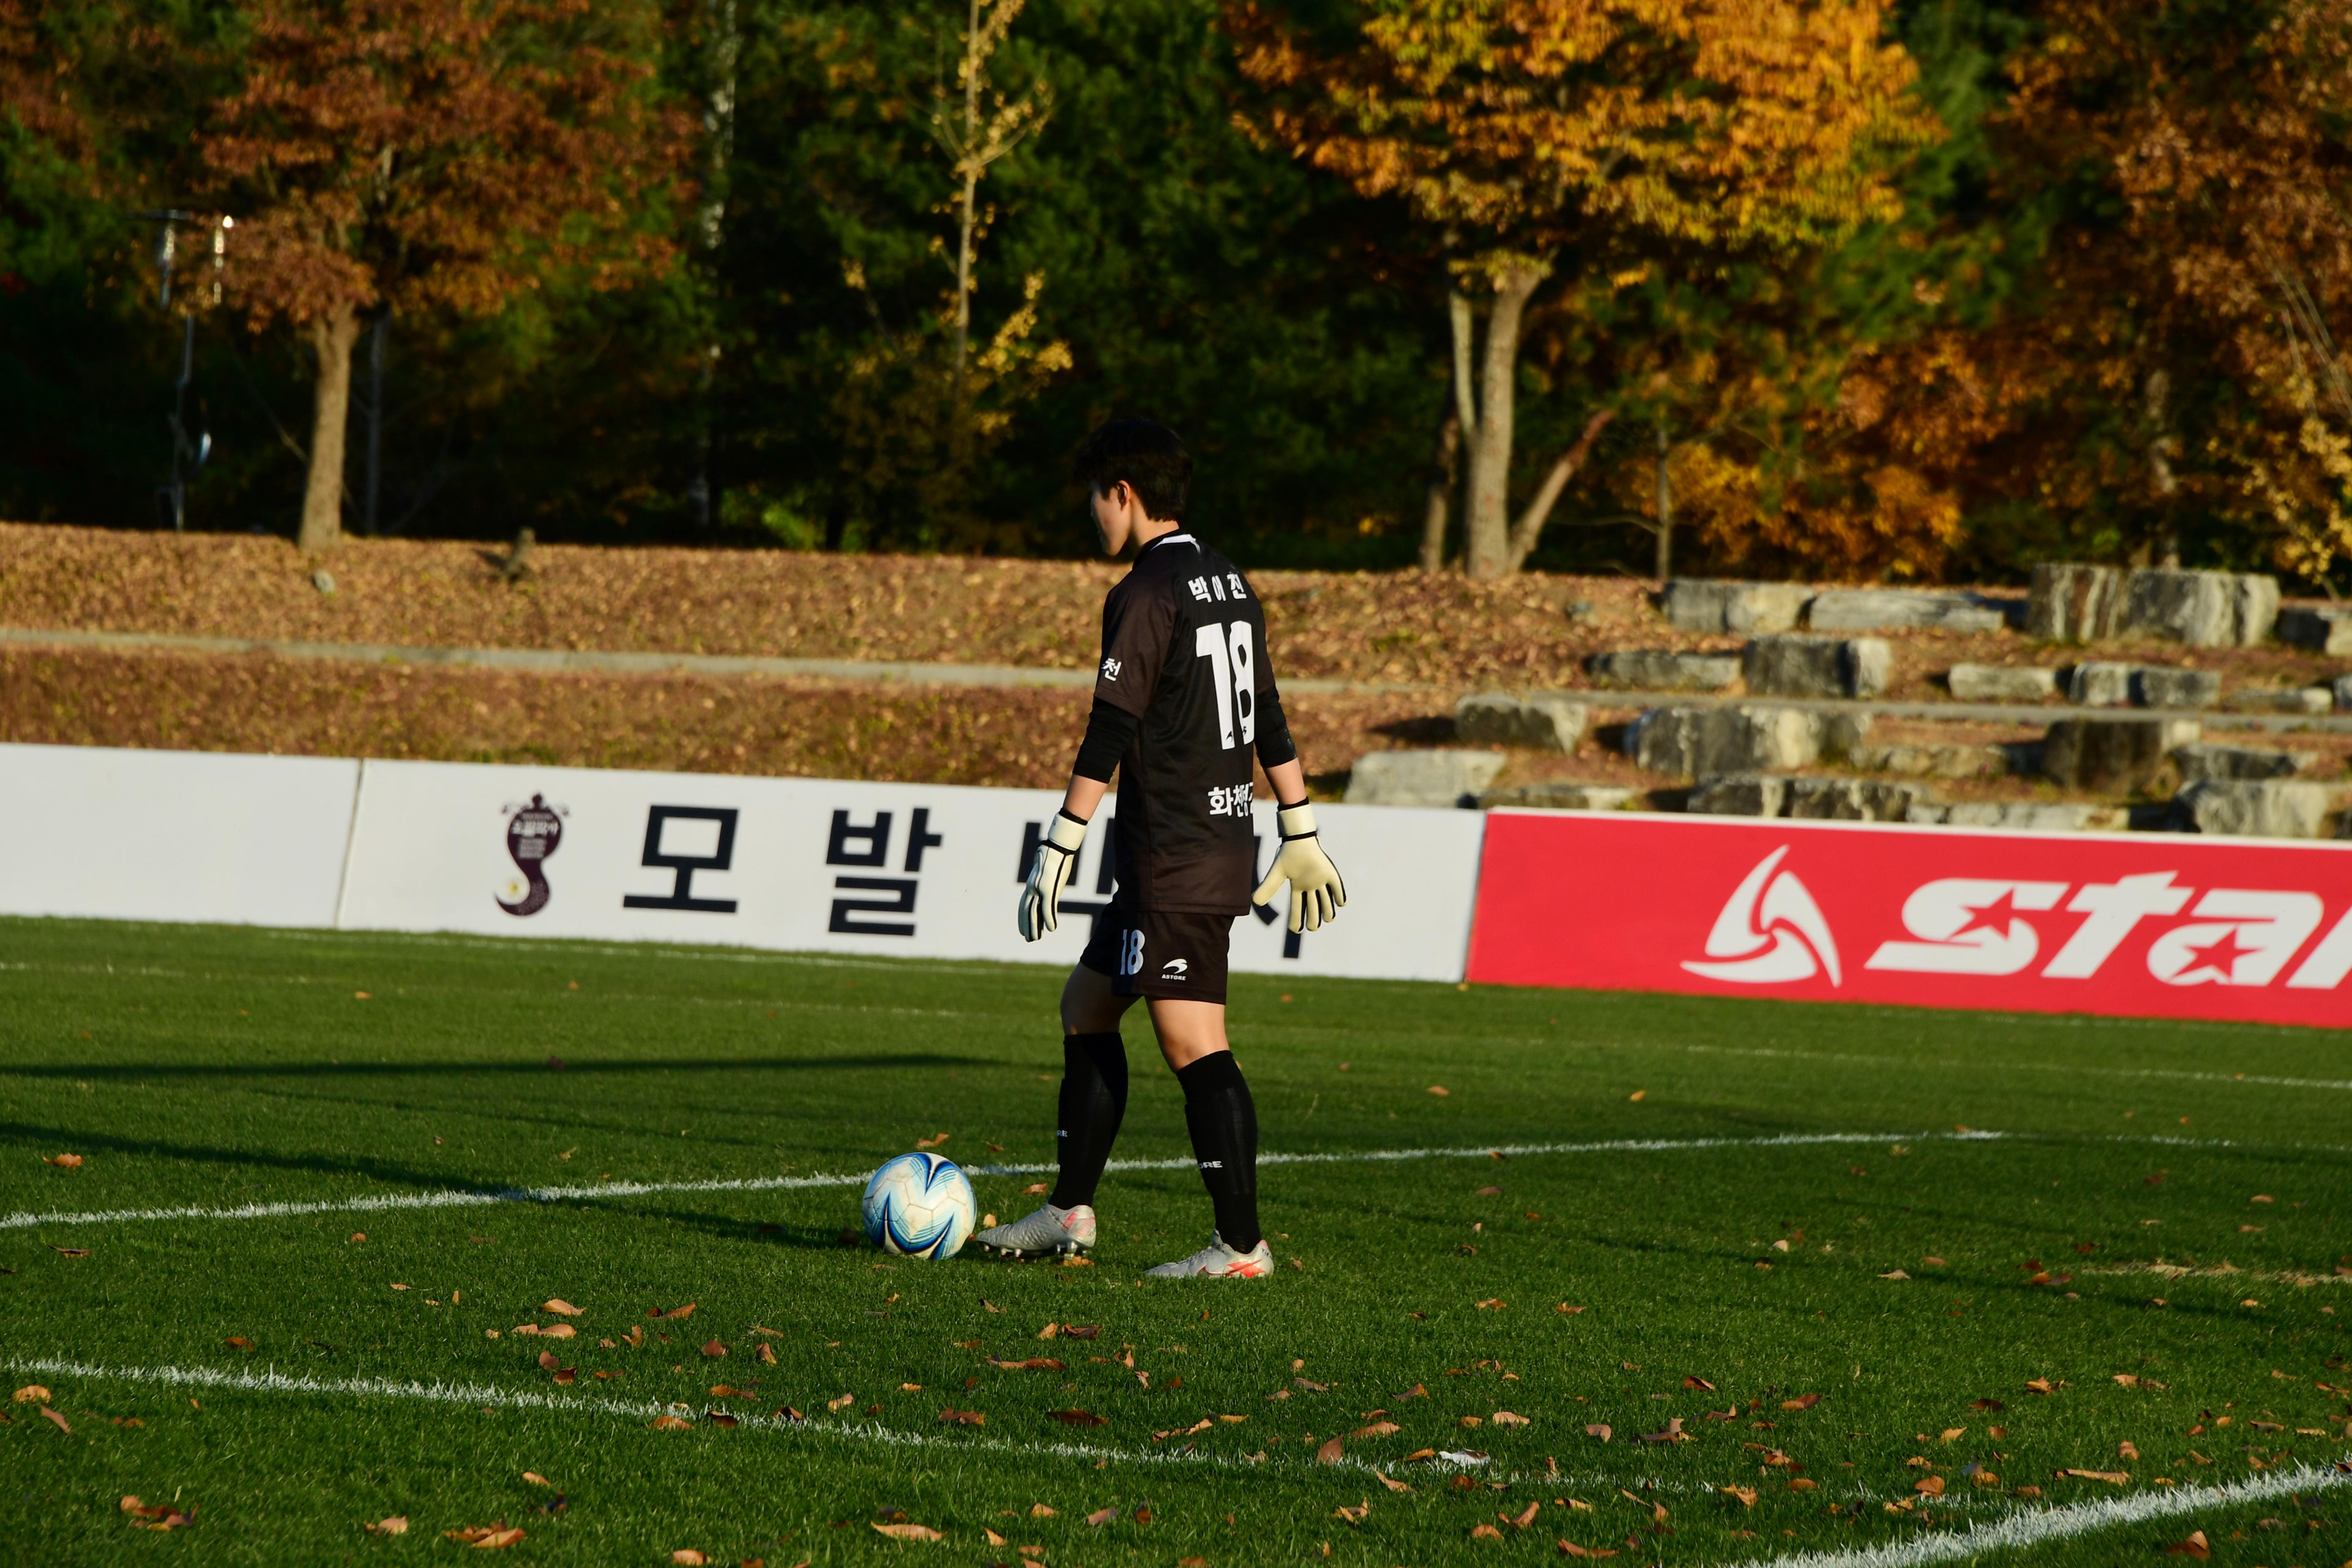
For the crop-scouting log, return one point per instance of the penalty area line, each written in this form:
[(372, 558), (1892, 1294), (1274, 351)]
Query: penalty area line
[(2033, 1529), (476, 1198), (487, 1397)]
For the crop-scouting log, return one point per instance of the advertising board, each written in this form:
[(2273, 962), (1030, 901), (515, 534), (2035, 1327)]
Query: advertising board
[(2145, 925), (108, 833), (912, 871)]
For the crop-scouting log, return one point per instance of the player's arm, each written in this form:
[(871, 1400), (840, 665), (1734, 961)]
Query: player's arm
[(1135, 639), (1317, 893)]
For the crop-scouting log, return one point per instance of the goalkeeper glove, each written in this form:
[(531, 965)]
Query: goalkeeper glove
[(1317, 893), (1056, 853)]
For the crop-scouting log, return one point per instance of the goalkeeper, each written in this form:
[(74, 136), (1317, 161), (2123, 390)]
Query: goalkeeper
[(1184, 695)]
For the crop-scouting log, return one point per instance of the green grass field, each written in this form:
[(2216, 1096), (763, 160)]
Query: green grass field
[(1774, 1187)]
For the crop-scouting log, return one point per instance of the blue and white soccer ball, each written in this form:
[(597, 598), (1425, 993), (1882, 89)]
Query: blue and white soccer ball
[(919, 1206)]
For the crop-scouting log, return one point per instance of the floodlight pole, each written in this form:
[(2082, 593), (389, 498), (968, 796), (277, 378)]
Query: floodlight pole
[(188, 455)]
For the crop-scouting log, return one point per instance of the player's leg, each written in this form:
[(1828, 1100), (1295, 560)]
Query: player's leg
[(1218, 1109), (1093, 1101)]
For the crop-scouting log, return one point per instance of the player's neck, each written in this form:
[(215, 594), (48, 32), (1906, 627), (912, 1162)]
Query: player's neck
[(1153, 530)]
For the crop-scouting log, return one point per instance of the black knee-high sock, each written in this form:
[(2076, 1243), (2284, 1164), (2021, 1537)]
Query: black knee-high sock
[(1222, 1119), (1094, 1099)]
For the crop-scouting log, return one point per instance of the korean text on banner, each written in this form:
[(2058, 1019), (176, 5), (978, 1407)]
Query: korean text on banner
[(886, 870), (2168, 926)]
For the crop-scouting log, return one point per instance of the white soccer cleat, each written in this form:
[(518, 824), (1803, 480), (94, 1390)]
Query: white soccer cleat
[(1048, 1232), (1218, 1261)]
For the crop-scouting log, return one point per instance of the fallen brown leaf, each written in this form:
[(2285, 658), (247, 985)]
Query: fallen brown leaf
[(1035, 1187), (1747, 1495), (713, 1348), (1390, 1482), (1485, 1532), (394, 1524), (1353, 1515), (1929, 1486), (687, 1557), (560, 1331), (1670, 1433), (2038, 1384), (1570, 1549), (559, 1304), (837, 1404), (69, 1162), (910, 1531), (32, 1394), (963, 1418), (2113, 1478), (1076, 1417), (1492, 1304), (1509, 1418), (2196, 1546), (1377, 1429), (72, 1251), (51, 1412), (667, 1422), (1102, 1516), (486, 1537), (1598, 1429), (674, 1314), (1802, 1402), (1521, 1520), (1329, 1454), (931, 1142), (1699, 1383)]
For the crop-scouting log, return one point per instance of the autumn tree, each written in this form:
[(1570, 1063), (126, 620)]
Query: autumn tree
[(1557, 140), (431, 155), (2179, 362)]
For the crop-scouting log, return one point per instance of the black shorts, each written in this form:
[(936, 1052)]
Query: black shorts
[(1157, 954)]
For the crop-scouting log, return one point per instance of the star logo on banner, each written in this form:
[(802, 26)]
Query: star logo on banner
[(1994, 916), (2220, 957)]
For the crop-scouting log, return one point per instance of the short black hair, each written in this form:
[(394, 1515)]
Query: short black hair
[(1148, 456)]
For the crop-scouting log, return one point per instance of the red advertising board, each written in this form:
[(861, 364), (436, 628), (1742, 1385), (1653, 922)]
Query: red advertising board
[(2160, 926)]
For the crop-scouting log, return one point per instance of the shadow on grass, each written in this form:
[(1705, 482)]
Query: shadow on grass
[(538, 1066)]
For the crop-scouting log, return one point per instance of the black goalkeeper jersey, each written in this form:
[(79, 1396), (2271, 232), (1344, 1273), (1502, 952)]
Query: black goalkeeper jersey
[(1184, 651)]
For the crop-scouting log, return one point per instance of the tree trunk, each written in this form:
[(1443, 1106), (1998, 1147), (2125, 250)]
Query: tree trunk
[(2165, 546), (1488, 519), (1441, 489), (1530, 524), (331, 338), (1665, 508)]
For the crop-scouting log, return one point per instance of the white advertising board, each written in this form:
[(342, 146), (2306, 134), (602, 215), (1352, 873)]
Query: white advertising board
[(915, 870), (114, 833)]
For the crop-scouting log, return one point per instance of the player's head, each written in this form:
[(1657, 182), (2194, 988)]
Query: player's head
[(1144, 456)]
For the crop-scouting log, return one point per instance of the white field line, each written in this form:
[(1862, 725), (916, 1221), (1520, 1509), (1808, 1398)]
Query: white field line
[(2019, 1529), (464, 1198), (483, 1395), (2031, 1528)]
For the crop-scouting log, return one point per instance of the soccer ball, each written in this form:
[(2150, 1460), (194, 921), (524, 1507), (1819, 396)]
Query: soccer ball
[(919, 1206)]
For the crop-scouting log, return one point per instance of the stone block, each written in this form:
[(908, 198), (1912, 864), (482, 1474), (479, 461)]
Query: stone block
[(1954, 761), (1785, 666), (2099, 683), (2164, 686), (2002, 683), (1841, 733), (2327, 631), (2257, 608), (2112, 756), (2201, 761), (1900, 609), (2071, 603), (1714, 605), (2023, 816), (1545, 720), (1699, 743), (1651, 669), (2254, 808), (1559, 795), (1855, 800), (1422, 778), (2203, 609), (2342, 693), (2285, 700), (1739, 794)]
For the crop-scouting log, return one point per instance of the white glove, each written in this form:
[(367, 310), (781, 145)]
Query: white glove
[(1317, 894), (1056, 853)]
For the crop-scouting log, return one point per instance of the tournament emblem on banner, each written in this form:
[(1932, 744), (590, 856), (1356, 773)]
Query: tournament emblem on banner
[(534, 832)]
